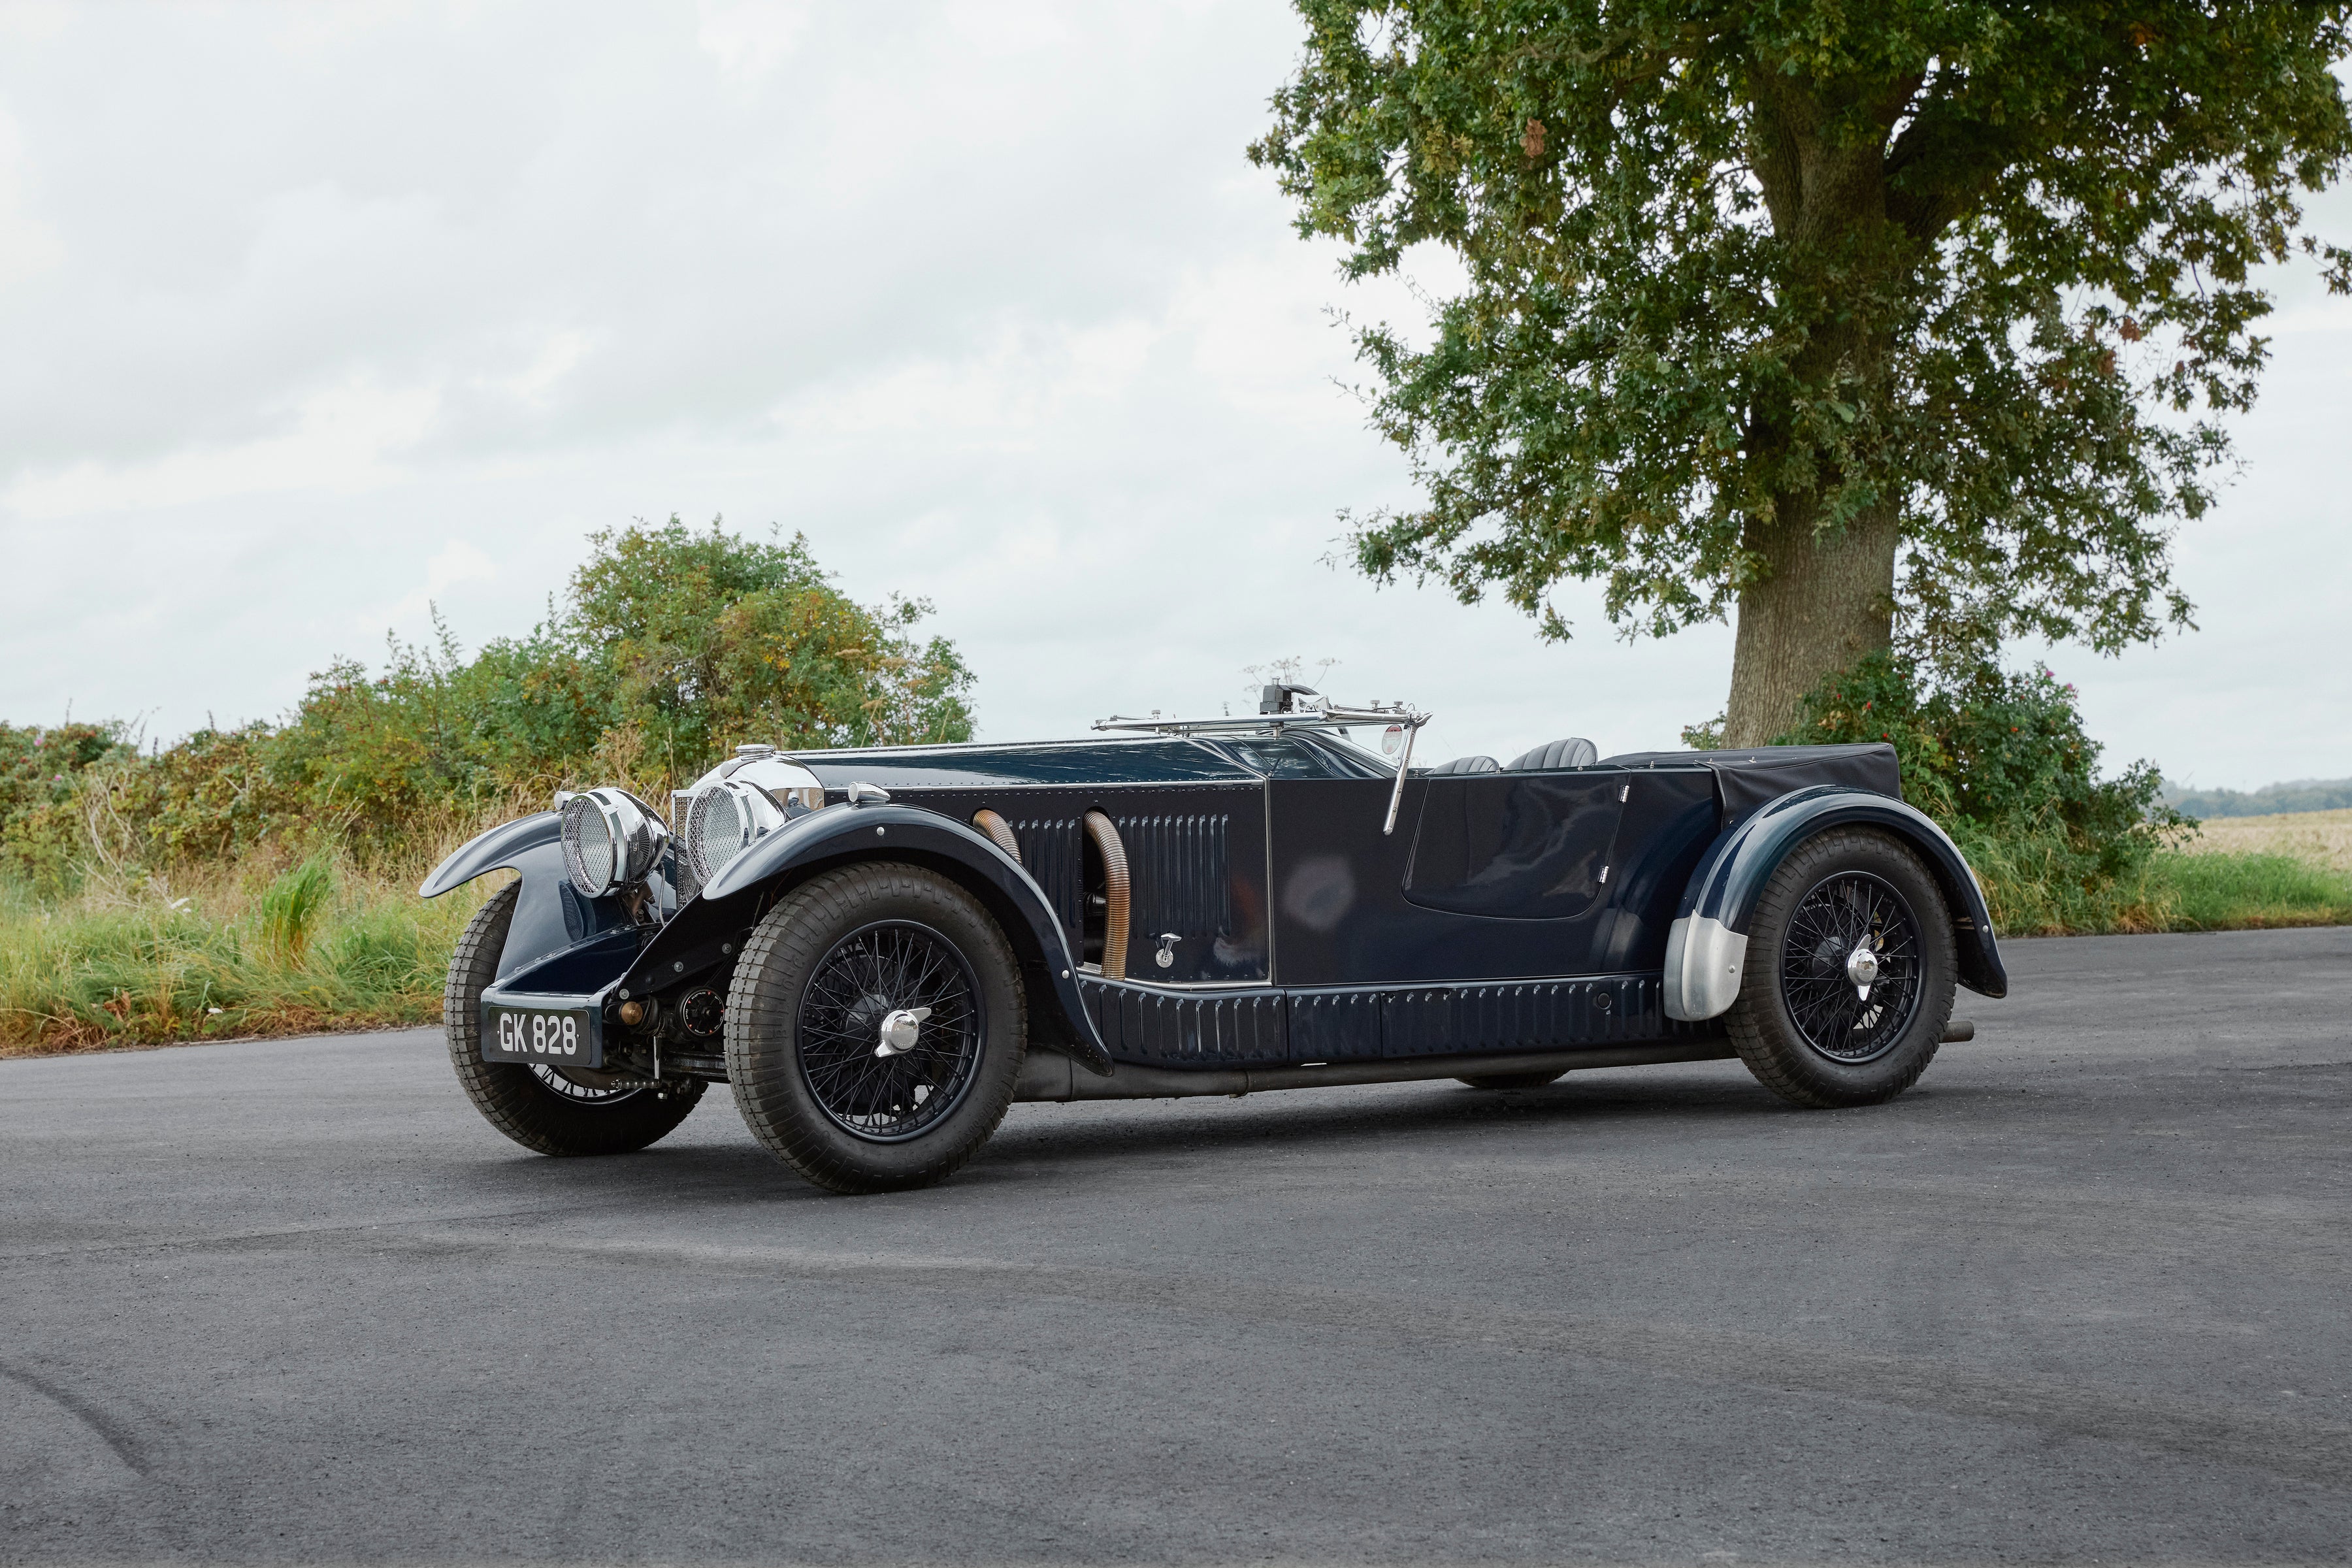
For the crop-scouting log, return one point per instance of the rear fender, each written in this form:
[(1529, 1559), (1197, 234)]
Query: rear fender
[(709, 930), (550, 915), (1707, 944)]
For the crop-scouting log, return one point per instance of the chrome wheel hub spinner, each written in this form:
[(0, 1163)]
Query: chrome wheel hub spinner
[(899, 1031), (1862, 970)]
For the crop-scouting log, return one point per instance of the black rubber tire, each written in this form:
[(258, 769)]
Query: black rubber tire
[(1761, 1027), (1513, 1079), (510, 1096), (763, 1015)]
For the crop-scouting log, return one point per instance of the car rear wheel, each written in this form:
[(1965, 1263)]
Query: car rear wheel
[(545, 1109), (1513, 1079), (875, 1029), (1848, 980)]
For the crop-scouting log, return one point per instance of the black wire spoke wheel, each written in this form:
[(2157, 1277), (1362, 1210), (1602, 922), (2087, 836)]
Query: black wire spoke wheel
[(1848, 979), (875, 1023), (1850, 967), (558, 1081), (868, 1086)]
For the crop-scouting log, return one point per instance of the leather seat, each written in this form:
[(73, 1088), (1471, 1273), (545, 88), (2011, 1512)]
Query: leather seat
[(1576, 752), (1468, 765)]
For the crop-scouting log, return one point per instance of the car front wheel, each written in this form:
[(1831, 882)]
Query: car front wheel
[(1849, 975), (875, 1029), (551, 1111)]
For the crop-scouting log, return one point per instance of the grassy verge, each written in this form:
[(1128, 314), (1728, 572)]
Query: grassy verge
[(2176, 891), (2280, 876), (2227, 890), (318, 947)]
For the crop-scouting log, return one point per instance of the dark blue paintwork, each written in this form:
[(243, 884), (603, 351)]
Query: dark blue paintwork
[(707, 934), (1670, 816), (1148, 760), (1507, 910), (490, 851), (1195, 855), (1732, 877), (1521, 847), (550, 918), (1353, 908)]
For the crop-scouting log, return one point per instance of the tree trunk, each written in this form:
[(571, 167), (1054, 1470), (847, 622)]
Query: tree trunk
[(1823, 602), (1820, 598)]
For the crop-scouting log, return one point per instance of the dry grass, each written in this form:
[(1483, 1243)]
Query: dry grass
[(2322, 838)]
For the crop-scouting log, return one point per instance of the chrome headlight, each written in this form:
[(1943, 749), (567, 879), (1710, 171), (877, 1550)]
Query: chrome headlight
[(611, 838), (727, 817)]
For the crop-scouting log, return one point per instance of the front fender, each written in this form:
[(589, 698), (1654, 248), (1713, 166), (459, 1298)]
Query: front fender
[(1708, 943), (501, 846), (550, 915), (708, 931)]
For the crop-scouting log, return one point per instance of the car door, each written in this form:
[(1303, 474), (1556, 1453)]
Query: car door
[(1516, 846), (1487, 877)]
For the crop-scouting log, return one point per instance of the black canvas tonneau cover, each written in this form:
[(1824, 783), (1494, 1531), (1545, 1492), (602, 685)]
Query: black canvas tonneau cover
[(1747, 780)]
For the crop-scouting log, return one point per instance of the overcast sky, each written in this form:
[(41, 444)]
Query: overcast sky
[(316, 315)]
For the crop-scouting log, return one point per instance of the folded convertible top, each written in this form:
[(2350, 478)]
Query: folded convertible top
[(1748, 779)]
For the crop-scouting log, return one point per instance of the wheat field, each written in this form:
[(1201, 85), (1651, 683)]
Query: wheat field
[(2323, 836)]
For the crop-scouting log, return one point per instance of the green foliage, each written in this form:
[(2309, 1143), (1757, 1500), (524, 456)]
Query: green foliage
[(1706, 736), (714, 640), (214, 795), (1982, 270), (673, 646), (2000, 759), (41, 776), (2035, 882), (292, 904)]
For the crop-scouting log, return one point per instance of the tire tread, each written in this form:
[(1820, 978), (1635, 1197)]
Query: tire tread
[(507, 1094), (788, 943), (1789, 1067)]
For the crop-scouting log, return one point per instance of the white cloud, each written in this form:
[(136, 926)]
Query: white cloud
[(457, 562), (559, 354), (1004, 394), (748, 38), (342, 440), (29, 245)]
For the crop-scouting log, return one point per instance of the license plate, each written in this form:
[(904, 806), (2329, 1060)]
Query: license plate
[(565, 1036)]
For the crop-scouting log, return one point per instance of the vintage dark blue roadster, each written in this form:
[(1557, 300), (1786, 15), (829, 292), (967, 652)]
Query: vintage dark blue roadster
[(879, 950)]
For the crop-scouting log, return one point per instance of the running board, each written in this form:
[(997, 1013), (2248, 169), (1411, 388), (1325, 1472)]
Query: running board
[(1046, 1073)]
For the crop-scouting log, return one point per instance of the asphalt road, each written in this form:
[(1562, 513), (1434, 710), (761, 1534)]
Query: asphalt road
[(2082, 1294)]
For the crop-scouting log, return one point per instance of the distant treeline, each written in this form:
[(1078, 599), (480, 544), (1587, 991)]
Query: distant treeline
[(2300, 794), (670, 648)]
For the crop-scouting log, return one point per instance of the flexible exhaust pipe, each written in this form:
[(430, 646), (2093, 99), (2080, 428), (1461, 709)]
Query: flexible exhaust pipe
[(1105, 838), (999, 831)]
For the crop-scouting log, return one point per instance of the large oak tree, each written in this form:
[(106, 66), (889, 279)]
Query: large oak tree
[(1817, 311)]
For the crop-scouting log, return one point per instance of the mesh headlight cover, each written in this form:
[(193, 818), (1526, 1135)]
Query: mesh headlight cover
[(725, 820), (611, 838)]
